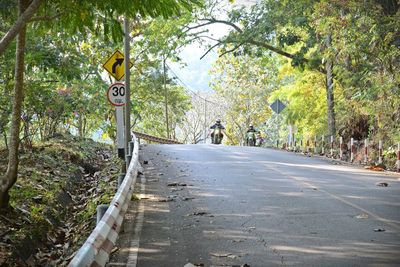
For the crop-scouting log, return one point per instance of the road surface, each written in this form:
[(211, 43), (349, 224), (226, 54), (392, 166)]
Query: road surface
[(232, 206)]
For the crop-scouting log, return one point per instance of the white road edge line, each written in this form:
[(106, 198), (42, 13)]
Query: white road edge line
[(134, 245)]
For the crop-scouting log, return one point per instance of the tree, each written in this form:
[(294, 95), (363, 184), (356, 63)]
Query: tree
[(25, 15), (93, 17), (205, 109), (365, 54), (12, 169), (149, 100), (245, 84), (354, 44), (282, 27)]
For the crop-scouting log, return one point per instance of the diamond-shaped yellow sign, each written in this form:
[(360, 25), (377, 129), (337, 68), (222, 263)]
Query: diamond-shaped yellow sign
[(115, 65)]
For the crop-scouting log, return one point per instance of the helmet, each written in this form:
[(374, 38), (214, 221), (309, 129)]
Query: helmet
[(218, 121), (251, 127)]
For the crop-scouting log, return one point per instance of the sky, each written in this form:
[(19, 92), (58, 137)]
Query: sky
[(195, 74)]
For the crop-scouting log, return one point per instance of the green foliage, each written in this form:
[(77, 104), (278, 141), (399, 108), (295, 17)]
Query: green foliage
[(149, 104), (305, 96), (364, 52), (244, 84), (55, 200)]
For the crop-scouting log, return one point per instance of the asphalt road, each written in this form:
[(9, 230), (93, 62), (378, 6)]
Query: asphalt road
[(231, 206)]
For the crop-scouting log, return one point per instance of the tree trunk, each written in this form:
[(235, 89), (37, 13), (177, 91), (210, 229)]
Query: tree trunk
[(9, 179), (23, 18), (330, 93), (166, 99)]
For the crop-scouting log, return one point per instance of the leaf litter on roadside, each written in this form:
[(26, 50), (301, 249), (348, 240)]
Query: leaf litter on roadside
[(71, 176)]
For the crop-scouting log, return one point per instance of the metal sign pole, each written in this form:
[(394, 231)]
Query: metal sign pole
[(127, 88)]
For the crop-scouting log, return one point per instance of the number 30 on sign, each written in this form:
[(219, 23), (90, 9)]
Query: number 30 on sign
[(116, 94)]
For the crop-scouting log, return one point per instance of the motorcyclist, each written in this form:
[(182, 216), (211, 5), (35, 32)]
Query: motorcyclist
[(250, 133), (217, 125), (259, 139)]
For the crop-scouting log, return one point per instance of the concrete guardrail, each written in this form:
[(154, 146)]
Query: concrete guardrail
[(155, 139), (96, 250)]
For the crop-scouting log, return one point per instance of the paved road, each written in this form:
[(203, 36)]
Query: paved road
[(243, 205)]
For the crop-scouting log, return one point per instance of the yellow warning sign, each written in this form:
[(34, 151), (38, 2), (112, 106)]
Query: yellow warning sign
[(115, 65)]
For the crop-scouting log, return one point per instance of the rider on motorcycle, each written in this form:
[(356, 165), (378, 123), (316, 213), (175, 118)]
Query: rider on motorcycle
[(216, 126), (259, 139), (251, 136)]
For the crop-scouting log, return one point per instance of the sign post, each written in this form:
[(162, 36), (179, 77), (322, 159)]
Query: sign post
[(116, 96), (277, 107), (127, 66)]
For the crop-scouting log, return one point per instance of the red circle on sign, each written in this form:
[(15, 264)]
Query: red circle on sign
[(116, 94)]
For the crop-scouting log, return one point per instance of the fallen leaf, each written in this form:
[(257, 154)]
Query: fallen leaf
[(187, 198), (362, 216), (232, 256), (375, 168), (221, 255), (383, 184), (176, 184), (200, 213), (166, 200)]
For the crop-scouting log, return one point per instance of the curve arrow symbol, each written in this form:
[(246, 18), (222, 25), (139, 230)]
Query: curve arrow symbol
[(118, 61)]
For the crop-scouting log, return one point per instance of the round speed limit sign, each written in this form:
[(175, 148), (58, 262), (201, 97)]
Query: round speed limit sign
[(116, 94)]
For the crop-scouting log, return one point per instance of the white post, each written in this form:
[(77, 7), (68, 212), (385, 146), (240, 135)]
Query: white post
[(323, 145), (315, 145), (398, 157), (332, 146), (293, 144), (119, 113), (352, 149), (340, 148), (380, 152), (366, 151)]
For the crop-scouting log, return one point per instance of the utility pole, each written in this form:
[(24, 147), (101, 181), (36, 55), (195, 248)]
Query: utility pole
[(166, 96), (127, 88)]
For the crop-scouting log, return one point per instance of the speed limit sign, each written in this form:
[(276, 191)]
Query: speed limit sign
[(116, 94)]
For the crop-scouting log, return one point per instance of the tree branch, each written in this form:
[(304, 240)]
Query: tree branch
[(45, 18), (213, 20), (273, 49), (18, 25), (231, 50), (208, 51)]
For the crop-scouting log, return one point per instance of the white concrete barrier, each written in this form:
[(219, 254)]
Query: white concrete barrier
[(96, 250)]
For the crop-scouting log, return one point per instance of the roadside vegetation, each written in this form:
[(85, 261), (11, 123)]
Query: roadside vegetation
[(53, 204)]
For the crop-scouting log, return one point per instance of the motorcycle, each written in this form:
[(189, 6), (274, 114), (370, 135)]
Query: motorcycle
[(250, 139), (216, 137), (259, 141)]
